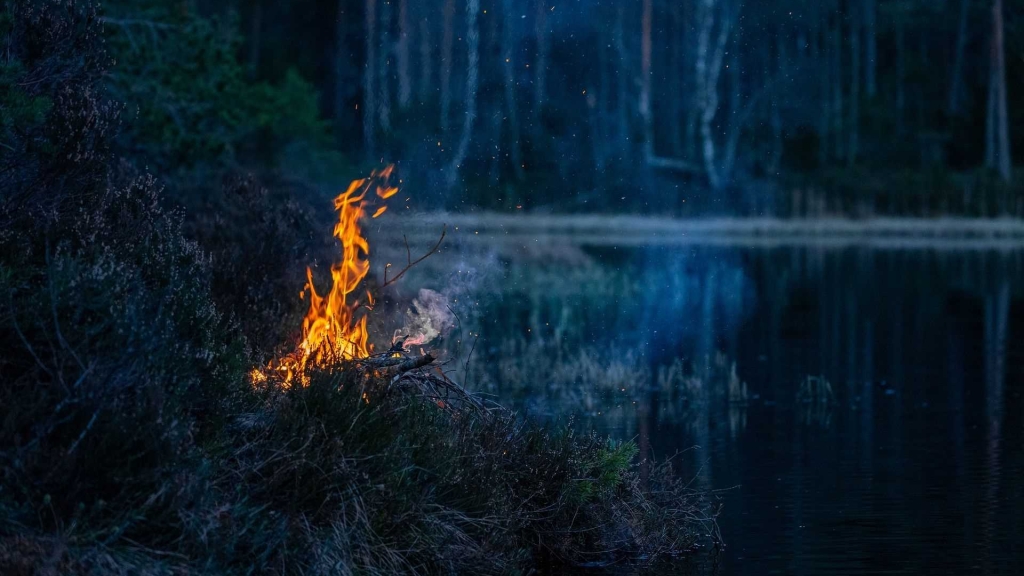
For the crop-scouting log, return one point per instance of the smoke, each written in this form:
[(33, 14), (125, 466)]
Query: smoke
[(429, 317), (434, 314)]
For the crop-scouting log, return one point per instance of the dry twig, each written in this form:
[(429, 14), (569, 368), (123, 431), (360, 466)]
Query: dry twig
[(410, 263)]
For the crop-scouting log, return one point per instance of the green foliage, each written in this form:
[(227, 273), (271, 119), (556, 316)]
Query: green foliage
[(394, 484), (607, 469), (185, 91), (18, 108), (291, 110), (192, 102)]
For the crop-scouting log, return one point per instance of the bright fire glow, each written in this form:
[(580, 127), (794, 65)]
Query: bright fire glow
[(330, 330)]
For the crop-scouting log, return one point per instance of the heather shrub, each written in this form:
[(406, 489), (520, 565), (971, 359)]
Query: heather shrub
[(119, 365), (116, 363), (55, 124), (260, 240)]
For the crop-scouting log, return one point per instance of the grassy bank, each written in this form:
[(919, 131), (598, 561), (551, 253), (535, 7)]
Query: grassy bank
[(319, 480)]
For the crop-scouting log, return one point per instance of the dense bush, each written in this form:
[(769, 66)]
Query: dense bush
[(116, 363), (260, 240), (191, 104)]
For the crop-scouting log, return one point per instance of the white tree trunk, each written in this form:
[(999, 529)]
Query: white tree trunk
[(426, 62), (447, 46), (645, 79), (370, 81), (622, 87), (709, 68), (511, 107), (870, 47), (997, 145), (472, 78), (540, 84), (402, 55), (901, 76), (855, 72), (384, 70)]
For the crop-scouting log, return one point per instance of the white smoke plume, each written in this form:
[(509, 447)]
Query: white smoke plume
[(429, 317)]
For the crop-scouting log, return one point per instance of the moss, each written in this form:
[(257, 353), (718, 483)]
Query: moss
[(607, 469)]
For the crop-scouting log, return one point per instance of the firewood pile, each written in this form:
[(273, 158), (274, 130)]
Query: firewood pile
[(397, 372)]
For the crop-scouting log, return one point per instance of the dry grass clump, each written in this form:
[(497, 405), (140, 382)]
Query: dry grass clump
[(582, 377), (349, 474), (415, 487)]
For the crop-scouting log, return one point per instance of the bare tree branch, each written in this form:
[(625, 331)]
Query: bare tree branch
[(412, 263)]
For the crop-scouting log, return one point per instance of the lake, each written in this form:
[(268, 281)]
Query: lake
[(856, 408)]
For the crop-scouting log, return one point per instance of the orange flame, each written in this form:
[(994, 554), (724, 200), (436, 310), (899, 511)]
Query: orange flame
[(330, 330)]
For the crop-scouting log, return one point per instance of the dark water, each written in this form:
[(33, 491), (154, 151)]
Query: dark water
[(913, 464)]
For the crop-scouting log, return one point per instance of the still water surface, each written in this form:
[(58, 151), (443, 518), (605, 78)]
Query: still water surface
[(903, 456)]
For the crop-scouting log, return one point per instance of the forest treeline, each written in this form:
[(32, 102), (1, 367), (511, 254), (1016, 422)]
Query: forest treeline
[(854, 106)]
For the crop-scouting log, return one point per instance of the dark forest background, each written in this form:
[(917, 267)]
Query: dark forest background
[(789, 107)]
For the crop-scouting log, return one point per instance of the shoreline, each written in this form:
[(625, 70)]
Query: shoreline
[(614, 230)]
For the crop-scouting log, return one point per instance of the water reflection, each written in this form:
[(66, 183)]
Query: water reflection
[(908, 461)]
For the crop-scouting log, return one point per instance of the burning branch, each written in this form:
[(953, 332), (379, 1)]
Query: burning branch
[(414, 363), (410, 263)]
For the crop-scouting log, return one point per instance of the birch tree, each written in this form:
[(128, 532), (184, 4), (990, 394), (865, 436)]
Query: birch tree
[(837, 81), (340, 62), (402, 55), (447, 47), (708, 69), (645, 79), (997, 129), (384, 68), (540, 83), (855, 73), (472, 80), (621, 86), (508, 75), (870, 13), (369, 80), (426, 61)]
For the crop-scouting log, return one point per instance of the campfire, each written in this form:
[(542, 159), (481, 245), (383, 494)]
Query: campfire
[(331, 331), (334, 330)]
